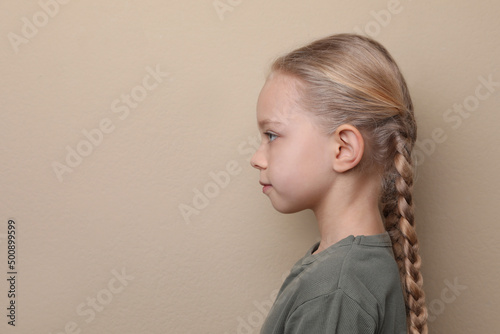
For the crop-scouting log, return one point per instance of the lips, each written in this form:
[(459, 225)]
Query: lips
[(265, 186)]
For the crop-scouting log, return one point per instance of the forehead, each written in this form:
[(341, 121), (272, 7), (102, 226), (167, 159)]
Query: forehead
[(278, 99)]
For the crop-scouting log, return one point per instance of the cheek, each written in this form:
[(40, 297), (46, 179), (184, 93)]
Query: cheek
[(297, 168), (313, 159), (282, 170), (299, 160), (312, 171)]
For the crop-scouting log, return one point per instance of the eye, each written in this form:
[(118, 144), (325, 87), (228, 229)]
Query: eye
[(271, 136)]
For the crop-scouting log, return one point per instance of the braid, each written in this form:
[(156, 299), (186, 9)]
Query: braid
[(398, 212)]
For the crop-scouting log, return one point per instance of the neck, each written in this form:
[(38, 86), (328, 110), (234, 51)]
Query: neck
[(349, 209)]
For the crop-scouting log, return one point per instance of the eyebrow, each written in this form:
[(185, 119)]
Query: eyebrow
[(267, 121)]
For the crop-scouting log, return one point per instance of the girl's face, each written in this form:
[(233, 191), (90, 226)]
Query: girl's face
[(295, 155)]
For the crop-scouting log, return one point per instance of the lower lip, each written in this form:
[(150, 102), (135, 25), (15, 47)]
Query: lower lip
[(266, 188)]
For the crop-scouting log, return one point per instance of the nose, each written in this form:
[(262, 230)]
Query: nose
[(258, 160)]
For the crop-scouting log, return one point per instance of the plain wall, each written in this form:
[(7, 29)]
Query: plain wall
[(103, 245)]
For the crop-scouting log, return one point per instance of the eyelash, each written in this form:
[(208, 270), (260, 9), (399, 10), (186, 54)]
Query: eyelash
[(271, 134)]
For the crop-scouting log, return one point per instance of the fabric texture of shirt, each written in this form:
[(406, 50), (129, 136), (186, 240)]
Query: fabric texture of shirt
[(351, 287)]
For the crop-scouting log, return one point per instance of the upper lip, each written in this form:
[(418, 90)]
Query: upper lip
[(264, 184)]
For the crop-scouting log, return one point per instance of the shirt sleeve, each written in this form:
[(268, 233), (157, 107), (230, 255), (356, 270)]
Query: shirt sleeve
[(332, 313)]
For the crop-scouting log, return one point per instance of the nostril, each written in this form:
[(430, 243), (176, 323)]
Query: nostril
[(252, 162), (258, 161)]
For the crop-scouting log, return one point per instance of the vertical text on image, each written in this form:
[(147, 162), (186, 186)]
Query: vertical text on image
[(12, 271)]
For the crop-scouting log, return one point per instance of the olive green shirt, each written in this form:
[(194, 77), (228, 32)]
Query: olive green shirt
[(351, 287)]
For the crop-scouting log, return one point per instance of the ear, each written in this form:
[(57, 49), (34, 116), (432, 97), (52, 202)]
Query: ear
[(349, 148)]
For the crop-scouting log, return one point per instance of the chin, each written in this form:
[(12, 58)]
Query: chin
[(287, 208)]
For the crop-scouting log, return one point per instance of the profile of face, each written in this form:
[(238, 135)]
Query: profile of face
[(295, 155)]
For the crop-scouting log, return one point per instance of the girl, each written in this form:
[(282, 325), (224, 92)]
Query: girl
[(338, 130)]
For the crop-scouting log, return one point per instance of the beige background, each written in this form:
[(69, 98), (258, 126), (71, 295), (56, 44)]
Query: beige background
[(118, 212)]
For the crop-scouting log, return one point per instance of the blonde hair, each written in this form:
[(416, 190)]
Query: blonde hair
[(347, 78)]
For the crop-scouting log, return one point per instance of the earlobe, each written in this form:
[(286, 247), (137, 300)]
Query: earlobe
[(349, 148)]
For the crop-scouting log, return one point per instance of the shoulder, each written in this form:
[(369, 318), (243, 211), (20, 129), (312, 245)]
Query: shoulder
[(370, 275), (362, 267), (356, 281), (335, 312)]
